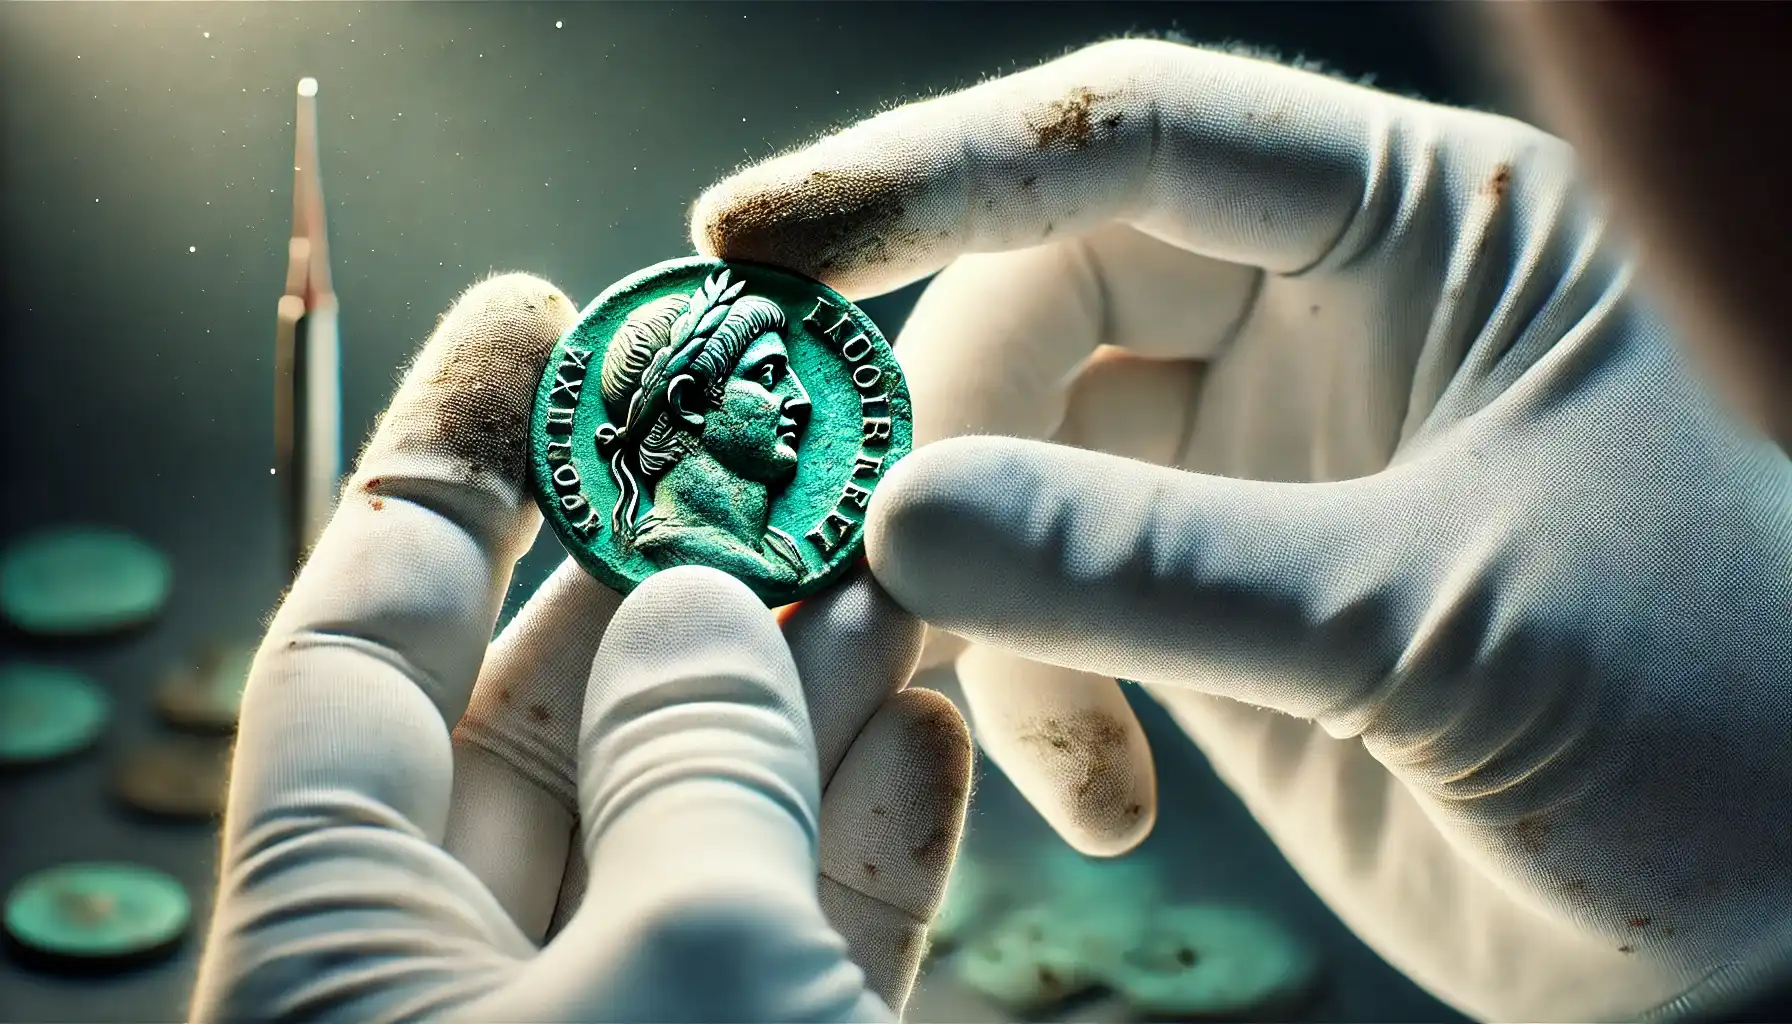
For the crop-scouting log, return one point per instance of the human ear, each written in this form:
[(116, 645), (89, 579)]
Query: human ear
[(682, 399)]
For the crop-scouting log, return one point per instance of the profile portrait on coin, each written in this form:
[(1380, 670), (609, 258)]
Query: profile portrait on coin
[(705, 419)]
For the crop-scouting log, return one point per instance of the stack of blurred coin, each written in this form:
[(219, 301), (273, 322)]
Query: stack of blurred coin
[(181, 777), (205, 696)]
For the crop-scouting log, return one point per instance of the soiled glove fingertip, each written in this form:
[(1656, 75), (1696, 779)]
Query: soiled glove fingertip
[(939, 737), (842, 226), (470, 392), (897, 806)]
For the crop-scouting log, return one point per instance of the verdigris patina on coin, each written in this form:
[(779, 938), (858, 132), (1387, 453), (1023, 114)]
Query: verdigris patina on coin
[(717, 413)]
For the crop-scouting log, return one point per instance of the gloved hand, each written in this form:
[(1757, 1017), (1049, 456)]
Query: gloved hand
[(1370, 466), (373, 869)]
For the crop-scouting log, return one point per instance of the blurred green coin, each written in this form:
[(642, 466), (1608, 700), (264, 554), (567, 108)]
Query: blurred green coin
[(80, 581), (97, 911), (1212, 962), (47, 713), (182, 777), (1041, 957), (206, 695)]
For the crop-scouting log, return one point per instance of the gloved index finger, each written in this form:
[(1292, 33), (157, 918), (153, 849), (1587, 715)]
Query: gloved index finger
[(1231, 157), (853, 648)]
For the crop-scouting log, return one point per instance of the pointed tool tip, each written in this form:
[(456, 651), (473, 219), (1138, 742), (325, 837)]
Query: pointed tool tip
[(307, 87)]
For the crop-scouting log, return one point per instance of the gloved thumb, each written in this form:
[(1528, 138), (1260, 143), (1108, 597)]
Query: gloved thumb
[(1272, 593), (699, 798)]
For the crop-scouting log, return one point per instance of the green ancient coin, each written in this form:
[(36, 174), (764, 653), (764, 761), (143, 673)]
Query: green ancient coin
[(206, 695), (79, 581), (47, 713), (97, 911), (722, 414), (184, 777), (1212, 962)]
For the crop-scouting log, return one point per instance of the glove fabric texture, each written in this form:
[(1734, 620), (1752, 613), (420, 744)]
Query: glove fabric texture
[(1333, 418), (654, 809)]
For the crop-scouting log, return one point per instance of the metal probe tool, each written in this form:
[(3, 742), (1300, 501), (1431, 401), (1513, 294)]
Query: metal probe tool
[(307, 366), (203, 694)]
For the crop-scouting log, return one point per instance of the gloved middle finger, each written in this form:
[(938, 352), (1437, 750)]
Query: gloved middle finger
[(853, 648), (515, 798), (1068, 740)]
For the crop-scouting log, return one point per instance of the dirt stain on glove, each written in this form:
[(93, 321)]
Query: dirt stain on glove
[(936, 850), (1531, 833), (471, 390), (828, 220), (1095, 744), (1500, 182), (938, 729), (1071, 121), (1577, 891)]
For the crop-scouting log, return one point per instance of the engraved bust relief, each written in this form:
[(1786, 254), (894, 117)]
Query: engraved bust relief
[(705, 418)]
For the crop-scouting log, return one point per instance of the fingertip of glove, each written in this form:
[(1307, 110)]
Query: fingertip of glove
[(857, 615), (676, 593), (840, 225), (1069, 741), (1116, 842), (515, 288), (517, 316), (469, 393), (695, 612), (906, 784), (932, 726), (926, 515), (934, 479), (693, 633)]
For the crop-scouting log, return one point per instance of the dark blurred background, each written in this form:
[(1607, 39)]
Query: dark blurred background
[(145, 202)]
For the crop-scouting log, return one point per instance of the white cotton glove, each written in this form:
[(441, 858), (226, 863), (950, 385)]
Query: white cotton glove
[(1371, 468), (373, 869)]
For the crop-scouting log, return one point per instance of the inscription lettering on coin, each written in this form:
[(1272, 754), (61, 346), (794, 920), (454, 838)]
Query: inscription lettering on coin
[(833, 324), (712, 414)]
